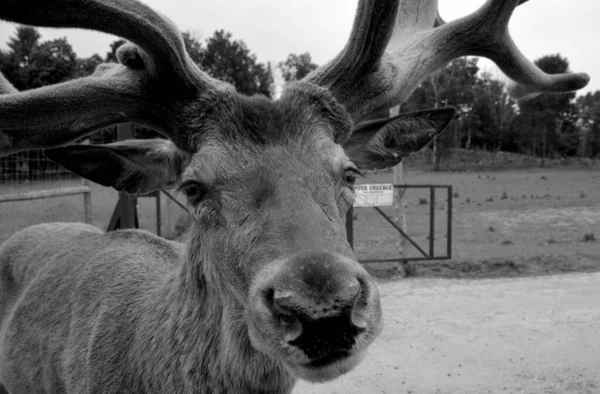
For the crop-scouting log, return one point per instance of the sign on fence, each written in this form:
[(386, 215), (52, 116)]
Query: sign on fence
[(376, 195)]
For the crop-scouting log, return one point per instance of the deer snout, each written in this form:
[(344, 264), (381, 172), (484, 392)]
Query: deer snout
[(321, 304)]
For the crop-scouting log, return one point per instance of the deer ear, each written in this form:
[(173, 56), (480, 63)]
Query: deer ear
[(133, 166), (382, 143)]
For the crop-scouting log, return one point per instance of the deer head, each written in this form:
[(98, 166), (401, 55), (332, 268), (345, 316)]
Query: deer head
[(269, 182)]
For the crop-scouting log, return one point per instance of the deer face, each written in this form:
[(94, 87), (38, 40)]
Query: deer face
[(269, 208), (268, 184)]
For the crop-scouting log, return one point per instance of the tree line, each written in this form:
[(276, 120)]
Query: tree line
[(548, 126)]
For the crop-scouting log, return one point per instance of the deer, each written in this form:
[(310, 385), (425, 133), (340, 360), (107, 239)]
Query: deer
[(266, 290)]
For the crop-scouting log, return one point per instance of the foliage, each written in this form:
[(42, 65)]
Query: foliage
[(51, 62), (193, 46), (296, 67), (85, 67), (30, 64), (545, 123), (588, 124), (231, 61), (450, 86), (111, 56), (548, 126), (15, 64)]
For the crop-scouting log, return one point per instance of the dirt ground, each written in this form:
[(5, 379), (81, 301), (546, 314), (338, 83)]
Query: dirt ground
[(521, 335)]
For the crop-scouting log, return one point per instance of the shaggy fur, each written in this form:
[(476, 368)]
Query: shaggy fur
[(119, 313), (266, 290), (84, 311)]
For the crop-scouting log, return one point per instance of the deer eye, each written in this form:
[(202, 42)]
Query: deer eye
[(350, 176), (193, 191)]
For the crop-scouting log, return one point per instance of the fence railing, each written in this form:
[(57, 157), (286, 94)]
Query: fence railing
[(428, 254)]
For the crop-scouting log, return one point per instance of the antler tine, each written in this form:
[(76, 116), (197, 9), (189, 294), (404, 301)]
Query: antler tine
[(58, 114), (485, 33), (155, 77), (346, 75), (163, 49), (419, 43)]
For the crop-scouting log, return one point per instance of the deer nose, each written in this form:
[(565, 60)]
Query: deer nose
[(324, 325), (288, 302)]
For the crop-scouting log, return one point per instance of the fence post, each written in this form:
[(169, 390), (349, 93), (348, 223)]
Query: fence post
[(400, 204), (87, 196), (125, 213), (350, 227), (158, 213)]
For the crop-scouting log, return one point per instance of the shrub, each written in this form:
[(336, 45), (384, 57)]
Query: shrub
[(589, 237)]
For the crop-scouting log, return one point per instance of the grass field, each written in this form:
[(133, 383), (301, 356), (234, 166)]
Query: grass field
[(17, 215), (505, 223)]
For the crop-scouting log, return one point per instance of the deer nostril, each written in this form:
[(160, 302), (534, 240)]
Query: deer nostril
[(292, 330), (350, 291), (283, 302), (358, 316)]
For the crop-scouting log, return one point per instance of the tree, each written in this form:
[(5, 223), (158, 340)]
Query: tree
[(231, 61), (15, 63), (489, 120), (545, 121), (24, 43), (452, 84), (296, 67), (85, 67), (52, 62), (112, 55), (193, 46), (588, 124)]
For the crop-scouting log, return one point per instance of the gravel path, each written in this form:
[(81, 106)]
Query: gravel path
[(529, 335)]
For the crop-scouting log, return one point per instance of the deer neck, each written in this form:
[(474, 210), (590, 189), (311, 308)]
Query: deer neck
[(200, 328)]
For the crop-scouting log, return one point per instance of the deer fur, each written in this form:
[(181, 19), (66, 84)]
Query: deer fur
[(266, 289), (130, 312), (124, 312)]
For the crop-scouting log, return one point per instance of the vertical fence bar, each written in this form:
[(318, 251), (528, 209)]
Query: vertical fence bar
[(158, 213), (87, 203), (87, 196), (449, 231), (431, 221), (126, 211), (350, 227)]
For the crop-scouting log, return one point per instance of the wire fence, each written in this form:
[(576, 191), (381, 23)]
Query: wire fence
[(34, 190)]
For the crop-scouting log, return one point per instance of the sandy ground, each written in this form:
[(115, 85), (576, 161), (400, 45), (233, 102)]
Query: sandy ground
[(528, 335)]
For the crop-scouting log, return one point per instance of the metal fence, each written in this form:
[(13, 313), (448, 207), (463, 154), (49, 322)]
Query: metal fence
[(35, 190), (432, 229)]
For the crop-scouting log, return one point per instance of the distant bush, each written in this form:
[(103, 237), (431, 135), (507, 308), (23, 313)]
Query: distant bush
[(589, 237)]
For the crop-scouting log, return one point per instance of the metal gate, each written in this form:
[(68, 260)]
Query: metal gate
[(426, 255)]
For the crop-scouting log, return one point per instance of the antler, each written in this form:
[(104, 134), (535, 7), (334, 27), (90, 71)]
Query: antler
[(154, 76), (395, 44)]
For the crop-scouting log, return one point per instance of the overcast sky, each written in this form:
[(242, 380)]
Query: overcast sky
[(274, 28)]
